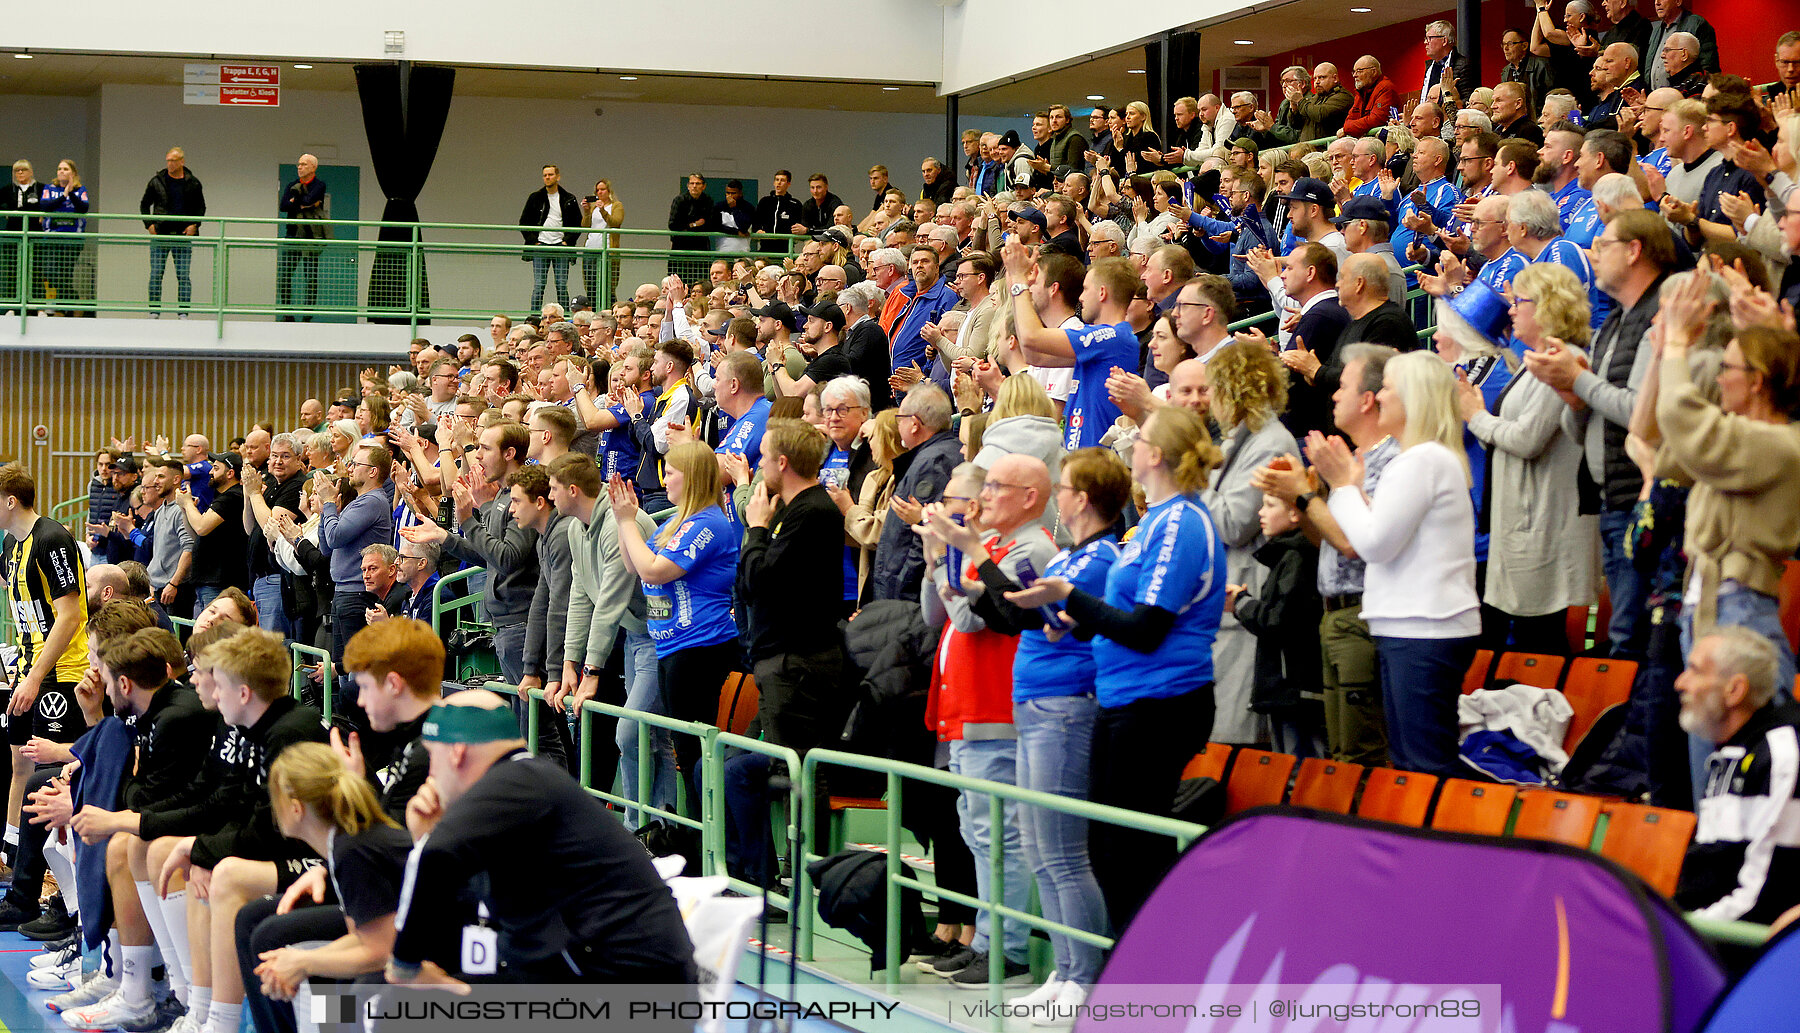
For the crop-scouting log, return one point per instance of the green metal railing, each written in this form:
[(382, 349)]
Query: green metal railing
[(239, 267), (441, 606), (327, 683)]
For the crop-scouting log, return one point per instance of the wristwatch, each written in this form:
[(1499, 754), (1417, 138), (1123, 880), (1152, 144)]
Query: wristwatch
[(589, 671), (1305, 500), (1019, 288)]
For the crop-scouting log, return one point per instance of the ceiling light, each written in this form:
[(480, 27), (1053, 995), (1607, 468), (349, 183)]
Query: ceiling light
[(303, 66), (1361, 10), (23, 57), (1134, 71), (628, 78), (891, 89), (1095, 96), (1244, 42)]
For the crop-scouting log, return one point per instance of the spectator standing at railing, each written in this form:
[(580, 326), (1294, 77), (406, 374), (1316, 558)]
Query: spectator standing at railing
[(304, 203), (1322, 112), (23, 194), (174, 200), (551, 218), (780, 212), (1628, 27), (1444, 64), (599, 211), (735, 217), (690, 217), (63, 202)]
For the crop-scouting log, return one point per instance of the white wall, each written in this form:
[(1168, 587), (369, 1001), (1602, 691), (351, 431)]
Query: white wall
[(986, 42), (45, 130), (488, 162), (894, 40)]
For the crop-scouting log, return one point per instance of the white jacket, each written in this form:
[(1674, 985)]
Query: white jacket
[(1539, 717)]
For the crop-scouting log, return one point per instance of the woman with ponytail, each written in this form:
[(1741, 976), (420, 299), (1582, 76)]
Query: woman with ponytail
[(1417, 536), (1153, 638), (322, 803)]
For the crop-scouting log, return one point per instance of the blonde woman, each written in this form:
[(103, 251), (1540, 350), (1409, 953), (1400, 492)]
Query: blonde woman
[(1416, 536), (864, 516), (319, 801), (1541, 550), (1249, 394), (688, 574), (63, 202), (602, 211)]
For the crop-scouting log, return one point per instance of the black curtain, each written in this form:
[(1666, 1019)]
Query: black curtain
[(404, 110)]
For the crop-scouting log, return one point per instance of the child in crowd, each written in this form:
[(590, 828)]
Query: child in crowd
[(1285, 621)]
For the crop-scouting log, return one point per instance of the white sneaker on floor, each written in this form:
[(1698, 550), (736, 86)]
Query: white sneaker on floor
[(55, 978), (1062, 1011), (1045, 994), (91, 989), (185, 1024), (110, 1012), (56, 957)]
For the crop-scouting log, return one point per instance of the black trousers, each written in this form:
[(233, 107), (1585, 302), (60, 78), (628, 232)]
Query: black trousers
[(690, 680), (1139, 751), (260, 929)]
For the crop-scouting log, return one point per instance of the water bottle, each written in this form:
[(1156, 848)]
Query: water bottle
[(1053, 615), (953, 557)]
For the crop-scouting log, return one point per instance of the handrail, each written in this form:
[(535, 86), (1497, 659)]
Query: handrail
[(326, 685), (998, 795), (261, 220), (441, 606)]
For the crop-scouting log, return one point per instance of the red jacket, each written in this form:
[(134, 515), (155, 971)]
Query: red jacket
[(1369, 108), (971, 680)]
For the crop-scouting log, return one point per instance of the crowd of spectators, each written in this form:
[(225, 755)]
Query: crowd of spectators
[(988, 482)]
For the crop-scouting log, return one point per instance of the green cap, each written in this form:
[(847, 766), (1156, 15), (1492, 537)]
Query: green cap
[(449, 724)]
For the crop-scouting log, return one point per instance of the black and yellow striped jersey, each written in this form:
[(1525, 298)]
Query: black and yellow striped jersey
[(40, 568)]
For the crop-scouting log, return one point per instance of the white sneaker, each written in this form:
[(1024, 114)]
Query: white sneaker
[(185, 1024), (110, 1012), (91, 989), (55, 978), (56, 957), (1042, 995), (1063, 1011)]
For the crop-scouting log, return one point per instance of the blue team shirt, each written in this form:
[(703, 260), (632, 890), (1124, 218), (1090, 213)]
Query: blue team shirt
[(200, 483), (837, 471), (1568, 199), (695, 609), (1175, 561), (619, 452), (1566, 252), (746, 434), (1441, 199), (1584, 224), (1098, 349), (1064, 667), (1499, 273), (1659, 160)]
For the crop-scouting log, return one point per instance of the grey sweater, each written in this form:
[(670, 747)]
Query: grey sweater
[(603, 595), (546, 626), (509, 552)]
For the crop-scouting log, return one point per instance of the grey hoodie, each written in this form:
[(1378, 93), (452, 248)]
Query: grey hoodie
[(1038, 436), (603, 595)]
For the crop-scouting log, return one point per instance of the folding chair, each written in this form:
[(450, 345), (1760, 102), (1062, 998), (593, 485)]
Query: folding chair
[(1210, 762), (1258, 777), (1326, 785), (1651, 841), (1401, 797), (1593, 685), (1539, 669), (1558, 817), (1477, 676), (1476, 807)]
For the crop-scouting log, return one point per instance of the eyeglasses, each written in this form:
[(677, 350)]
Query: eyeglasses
[(842, 410), (1740, 367), (1524, 301), (1066, 487), (995, 487), (955, 498), (1602, 242)]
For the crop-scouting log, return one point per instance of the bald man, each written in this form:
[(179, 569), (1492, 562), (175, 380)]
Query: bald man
[(304, 205), (1615, 69)]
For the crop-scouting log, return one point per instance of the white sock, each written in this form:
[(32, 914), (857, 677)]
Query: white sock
[(199, 1002), (175, 951), (134, 986), (159, 927), (223, 1018), (12, 836), (63, 868)]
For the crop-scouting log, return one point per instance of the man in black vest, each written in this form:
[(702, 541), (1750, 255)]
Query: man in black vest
[(1631, 259), (551, 218)]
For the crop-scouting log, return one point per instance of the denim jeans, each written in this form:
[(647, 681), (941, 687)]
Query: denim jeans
[(641, 694), (995, 760), (1056, 740), (1421, 680), (1624, 585), (1761, 614), (159, 260), (203, 597), (271, 614), (559, 270), (297, 278)]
